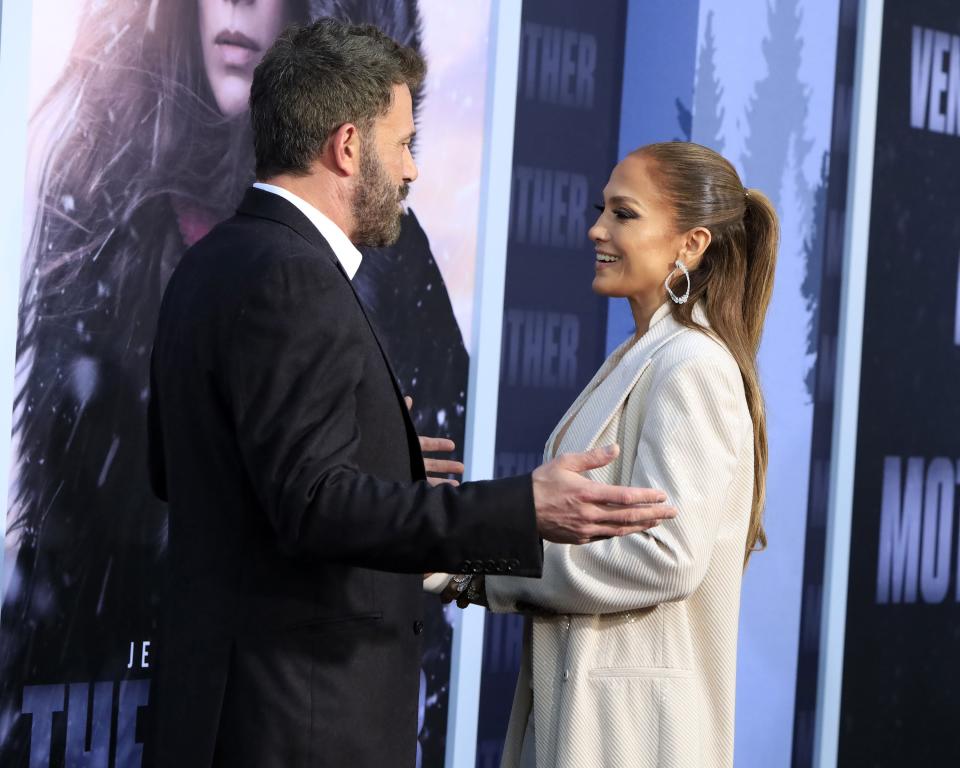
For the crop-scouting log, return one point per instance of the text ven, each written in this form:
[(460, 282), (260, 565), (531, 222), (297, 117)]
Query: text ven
[(935, 81)]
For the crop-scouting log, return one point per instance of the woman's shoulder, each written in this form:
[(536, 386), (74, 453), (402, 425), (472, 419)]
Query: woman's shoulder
[(700, 343), (698, 352)]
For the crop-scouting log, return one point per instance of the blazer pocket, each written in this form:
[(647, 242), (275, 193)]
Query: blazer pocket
[(601, 673), (333, 623)]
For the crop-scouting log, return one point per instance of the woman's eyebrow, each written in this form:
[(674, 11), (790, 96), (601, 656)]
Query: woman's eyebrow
[(624, 199)]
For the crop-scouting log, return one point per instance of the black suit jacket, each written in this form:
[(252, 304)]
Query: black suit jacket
[(300, 520)]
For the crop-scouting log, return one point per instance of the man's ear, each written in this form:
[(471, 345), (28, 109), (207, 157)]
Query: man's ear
[(695, 244), (343, 148)]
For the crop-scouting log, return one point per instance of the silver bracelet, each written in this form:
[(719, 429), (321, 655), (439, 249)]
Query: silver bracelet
[(462, 581), (476, 592)]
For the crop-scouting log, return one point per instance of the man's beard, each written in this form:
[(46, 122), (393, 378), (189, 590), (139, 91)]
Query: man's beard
[(376, 204)]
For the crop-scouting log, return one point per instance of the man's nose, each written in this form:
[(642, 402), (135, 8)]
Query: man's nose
[(410, 170)]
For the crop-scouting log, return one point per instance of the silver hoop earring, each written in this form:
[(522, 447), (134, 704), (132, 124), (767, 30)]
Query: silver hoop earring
[(666, 283)]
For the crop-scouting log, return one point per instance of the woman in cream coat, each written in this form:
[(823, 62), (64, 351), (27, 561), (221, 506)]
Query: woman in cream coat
[(631, 648)]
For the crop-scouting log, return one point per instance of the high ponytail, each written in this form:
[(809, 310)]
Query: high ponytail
[(734, 278)]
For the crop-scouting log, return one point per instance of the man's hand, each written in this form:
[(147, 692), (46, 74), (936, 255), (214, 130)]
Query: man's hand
[(574, 510), (437, 466)]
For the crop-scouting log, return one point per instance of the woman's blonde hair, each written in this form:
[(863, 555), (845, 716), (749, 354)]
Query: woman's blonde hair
[(734, 278)]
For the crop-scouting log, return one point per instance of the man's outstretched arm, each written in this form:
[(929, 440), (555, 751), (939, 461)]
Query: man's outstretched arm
[(294, 369)]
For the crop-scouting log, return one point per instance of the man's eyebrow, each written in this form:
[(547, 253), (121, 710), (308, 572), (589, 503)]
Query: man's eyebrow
[(408, 138)]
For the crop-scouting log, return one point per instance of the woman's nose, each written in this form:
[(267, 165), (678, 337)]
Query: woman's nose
[(597, 233)]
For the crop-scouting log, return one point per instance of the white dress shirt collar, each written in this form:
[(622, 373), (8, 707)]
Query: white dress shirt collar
[(346, 252)]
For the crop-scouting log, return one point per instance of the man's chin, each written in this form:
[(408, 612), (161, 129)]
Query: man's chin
[(381, 239), (383, 242)]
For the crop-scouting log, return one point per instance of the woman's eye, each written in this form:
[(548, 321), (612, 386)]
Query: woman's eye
[(620, 213)]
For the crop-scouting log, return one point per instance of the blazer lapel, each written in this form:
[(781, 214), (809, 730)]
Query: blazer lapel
[(551, 449), (604, 400)]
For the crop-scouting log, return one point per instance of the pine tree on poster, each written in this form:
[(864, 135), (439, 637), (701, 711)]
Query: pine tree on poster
[(708, 95), (684, 120), (777, 112), (813, 251)]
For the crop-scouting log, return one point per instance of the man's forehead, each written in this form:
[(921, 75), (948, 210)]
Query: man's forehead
[(400, 115)]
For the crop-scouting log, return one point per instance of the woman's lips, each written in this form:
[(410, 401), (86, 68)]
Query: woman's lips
[(605, 260), (236, 49)]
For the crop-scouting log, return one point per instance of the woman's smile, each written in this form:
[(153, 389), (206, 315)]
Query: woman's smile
[(605, 260)]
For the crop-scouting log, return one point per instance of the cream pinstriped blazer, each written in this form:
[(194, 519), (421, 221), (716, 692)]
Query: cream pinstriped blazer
[(637, 666)]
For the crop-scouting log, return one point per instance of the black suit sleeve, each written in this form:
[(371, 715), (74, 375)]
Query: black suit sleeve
[(295, 360)]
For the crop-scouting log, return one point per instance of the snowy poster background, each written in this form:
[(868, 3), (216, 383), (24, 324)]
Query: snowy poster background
[(130, 160)]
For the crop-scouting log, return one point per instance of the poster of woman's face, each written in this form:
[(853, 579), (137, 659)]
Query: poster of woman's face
[(139, 144), (233, 38)]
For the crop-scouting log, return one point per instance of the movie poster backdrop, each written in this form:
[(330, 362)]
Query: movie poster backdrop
[(900, 699), (554, 326), (139, 144)]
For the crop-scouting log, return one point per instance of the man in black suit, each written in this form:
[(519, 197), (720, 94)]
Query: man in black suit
[(301, 521)]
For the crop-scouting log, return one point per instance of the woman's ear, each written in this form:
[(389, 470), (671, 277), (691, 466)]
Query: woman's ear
[(695, 244)]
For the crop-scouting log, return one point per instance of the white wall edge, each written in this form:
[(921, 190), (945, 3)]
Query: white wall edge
[(847, 394), (15, 26), (484, 382)]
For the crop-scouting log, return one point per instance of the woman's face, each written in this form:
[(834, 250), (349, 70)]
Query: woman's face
[(634, 237), (234, 35)]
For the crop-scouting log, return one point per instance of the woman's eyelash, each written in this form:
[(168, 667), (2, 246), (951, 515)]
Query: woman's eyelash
[(620, 213)]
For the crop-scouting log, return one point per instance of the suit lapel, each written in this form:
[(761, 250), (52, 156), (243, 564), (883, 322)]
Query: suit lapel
[(408, 420), (266, 205)]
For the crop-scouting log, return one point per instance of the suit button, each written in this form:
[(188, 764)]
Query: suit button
[(418, 627), (566, 674)]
